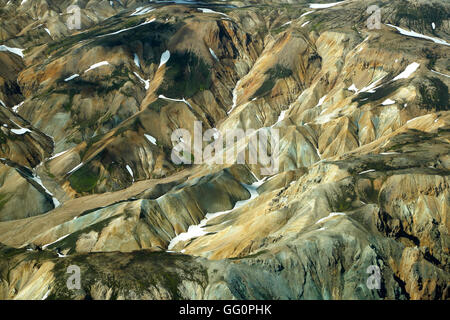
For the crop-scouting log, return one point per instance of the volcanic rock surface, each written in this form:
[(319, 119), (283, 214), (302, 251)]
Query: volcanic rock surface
[(87, 178)]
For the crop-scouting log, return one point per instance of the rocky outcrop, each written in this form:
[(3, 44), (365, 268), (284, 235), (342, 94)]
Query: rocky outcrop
[(21, 195)]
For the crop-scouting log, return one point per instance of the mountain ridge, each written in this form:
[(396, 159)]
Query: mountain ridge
[(86, 140)]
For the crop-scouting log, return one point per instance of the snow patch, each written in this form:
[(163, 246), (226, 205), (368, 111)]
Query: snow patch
[(204, 10), (126, 29), (370, 88), (367, 171), (38, 180), (408, 71), (76, 168), (306, 13), (72, 77), (321, 100), (57, 155), (388, 102), (442, 74), (142, 10), (97, 65), (49, 244), (151, 139), (418, 35), (130, 172), (20, 131), (324, 5), (234, 97), (137, 62), (146, 82), (331, 215), (198, 230), (281, 116), (164, 58), (16, 51), (304, 24), (176, 100), (353, 88), (49, 290), (213, 54), (416, 118), (388, 153)]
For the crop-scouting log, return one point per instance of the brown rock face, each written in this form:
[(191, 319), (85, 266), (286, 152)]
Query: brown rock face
[(359, 205)]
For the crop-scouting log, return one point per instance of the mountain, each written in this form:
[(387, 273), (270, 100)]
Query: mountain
[(357, 115)]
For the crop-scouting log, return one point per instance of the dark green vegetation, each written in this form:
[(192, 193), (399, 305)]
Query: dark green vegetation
[(151, 35), (434, 94), (84, 179), (138, 273), (414, 151), (128, 273), (107, 84), (379, 94), (186, 75), (272, 75), (287, 243), (422, 15), (157, 105), (3, 138)]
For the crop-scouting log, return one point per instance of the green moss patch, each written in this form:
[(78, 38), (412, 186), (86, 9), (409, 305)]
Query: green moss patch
[(84, 179)]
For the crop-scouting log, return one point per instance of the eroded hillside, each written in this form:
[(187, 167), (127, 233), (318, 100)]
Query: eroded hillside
[(87, 179)]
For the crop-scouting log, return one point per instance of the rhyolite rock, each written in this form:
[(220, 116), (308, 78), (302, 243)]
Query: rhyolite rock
[(86, 176)]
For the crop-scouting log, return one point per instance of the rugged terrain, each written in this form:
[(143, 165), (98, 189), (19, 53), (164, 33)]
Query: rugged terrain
[(86, 176)]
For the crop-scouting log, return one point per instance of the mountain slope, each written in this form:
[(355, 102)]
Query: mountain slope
[(86, 175)]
